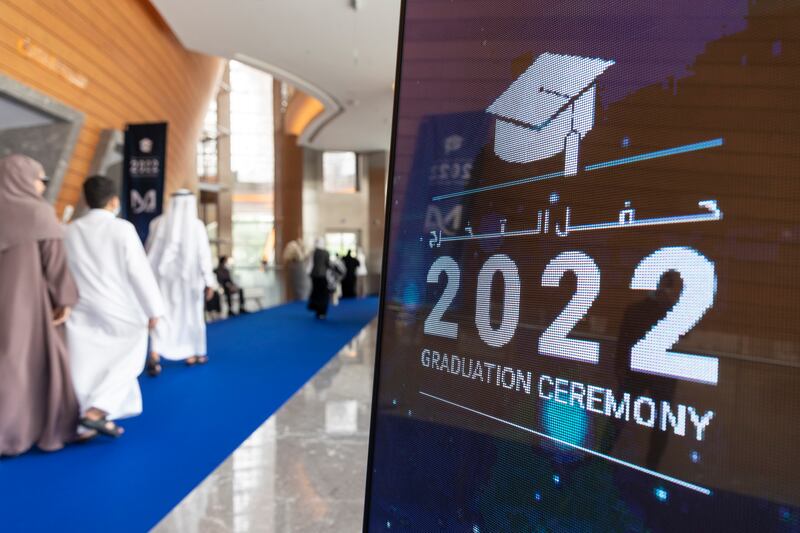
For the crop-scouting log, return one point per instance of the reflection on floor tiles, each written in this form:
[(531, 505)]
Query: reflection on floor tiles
[(304, 469)]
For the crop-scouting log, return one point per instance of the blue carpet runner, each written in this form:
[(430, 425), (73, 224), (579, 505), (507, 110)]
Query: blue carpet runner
[(193, 419)]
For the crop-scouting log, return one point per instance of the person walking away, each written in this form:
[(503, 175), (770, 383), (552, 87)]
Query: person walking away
[(361, 273), (295, 258), (180, 256), (351, 265), (320, 294), (336, 273), (120, 302), (225, 280), (38, 406)]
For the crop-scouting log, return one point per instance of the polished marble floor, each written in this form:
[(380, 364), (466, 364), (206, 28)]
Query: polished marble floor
[(304, 469)]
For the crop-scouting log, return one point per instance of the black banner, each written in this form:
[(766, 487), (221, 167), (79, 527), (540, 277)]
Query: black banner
[(143, 178)]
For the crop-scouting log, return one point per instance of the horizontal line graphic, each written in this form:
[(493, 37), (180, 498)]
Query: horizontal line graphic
[(694, 147), (682, 483)]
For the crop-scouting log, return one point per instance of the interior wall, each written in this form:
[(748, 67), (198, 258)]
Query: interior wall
[(376, 164), (117, 62), (289, 176), (325, 212)]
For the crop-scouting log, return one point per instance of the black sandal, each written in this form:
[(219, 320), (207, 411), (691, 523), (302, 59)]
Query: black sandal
[(153, 367), (101, 426)]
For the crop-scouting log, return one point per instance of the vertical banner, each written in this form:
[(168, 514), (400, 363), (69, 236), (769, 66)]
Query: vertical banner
[(143, 179)]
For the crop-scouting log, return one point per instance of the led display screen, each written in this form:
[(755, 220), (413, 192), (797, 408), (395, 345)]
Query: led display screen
[(590, 311)]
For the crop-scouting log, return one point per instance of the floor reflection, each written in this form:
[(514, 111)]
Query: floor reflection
[(304, 469)]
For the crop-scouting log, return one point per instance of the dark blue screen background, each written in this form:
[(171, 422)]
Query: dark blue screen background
[(702, 103)]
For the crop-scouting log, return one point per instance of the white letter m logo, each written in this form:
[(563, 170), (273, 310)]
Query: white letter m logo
[(143, 204)]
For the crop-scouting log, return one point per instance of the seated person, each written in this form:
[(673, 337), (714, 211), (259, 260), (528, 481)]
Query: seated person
[(225, 281), (214, 306)]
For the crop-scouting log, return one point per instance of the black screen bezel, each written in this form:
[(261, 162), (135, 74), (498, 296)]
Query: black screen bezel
[(385, 262)]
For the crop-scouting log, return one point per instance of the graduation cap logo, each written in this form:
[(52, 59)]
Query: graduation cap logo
[(548, 110), (145, 145)]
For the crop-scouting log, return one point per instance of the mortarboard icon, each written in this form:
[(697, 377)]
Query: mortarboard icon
[(547, 110)]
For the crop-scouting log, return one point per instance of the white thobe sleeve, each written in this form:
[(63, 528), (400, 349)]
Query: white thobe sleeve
[(151, 232), (141, 275), (204, 250)]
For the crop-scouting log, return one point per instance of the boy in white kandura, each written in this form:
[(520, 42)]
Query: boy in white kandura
[(119, 302)]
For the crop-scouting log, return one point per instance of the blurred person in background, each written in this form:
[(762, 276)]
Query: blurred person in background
[(214, 307), (336, 273), (38, 405), (180, 255), (320, 293), (120, 302), (361, 272), (295, 258), (225, 280), (351, 265)]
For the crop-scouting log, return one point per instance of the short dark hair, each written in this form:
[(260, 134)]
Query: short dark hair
[(99, 190)]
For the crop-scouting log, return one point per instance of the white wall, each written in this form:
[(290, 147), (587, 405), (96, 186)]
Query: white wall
[(325, 212)]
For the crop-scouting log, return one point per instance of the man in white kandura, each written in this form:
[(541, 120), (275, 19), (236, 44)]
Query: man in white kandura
[(119, 301), (180, 255)]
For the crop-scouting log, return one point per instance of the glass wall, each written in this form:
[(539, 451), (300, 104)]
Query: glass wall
[(207, 145), (251, 234), (252, 128), (340, 242), (253, 164)]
